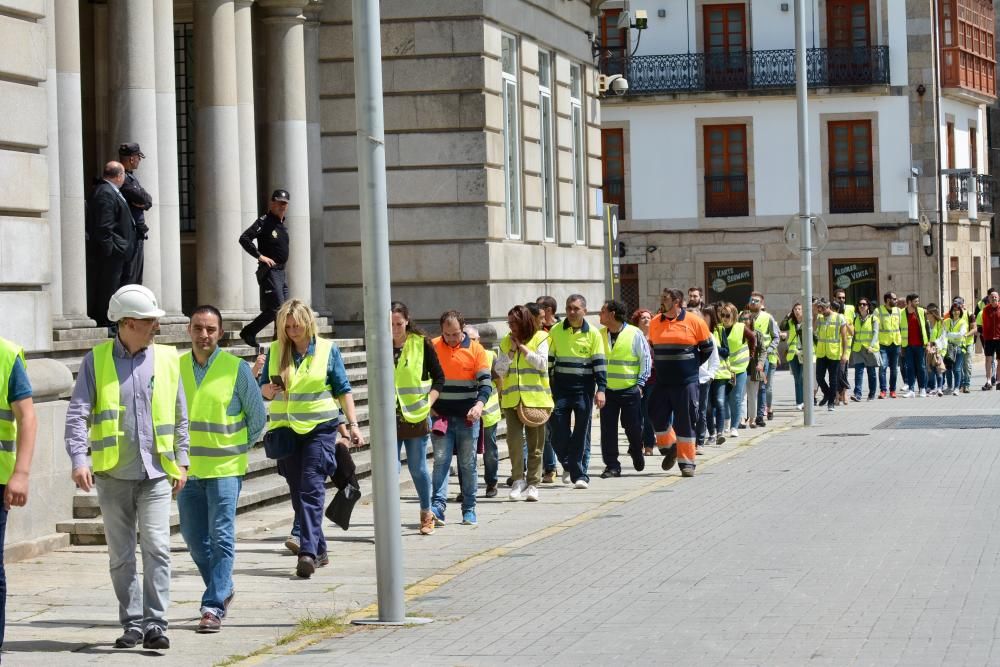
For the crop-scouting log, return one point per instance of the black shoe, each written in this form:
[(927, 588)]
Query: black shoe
[(249, 340), (155, 639), (856, 398), (669, 457), (770, 415), (608, 472), (129, 638), (491, 490), (638, 460), (823, 402), (760, 421), (510, 482), (305, 567)]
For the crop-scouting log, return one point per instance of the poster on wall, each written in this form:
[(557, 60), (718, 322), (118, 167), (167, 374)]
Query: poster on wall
[(857, 277), (729, 281)]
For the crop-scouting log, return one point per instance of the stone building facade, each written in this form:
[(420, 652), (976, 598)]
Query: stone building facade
[(705, 162)]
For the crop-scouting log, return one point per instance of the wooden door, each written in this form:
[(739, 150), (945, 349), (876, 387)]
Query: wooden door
[(848, 25)]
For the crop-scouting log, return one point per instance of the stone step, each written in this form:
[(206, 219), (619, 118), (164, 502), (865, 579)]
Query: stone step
[(258, 491)]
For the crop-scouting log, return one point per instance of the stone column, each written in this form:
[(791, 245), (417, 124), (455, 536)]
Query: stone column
[(218, 203), (133, 109), (169, 205), (72, 181), (288, 143), (51, 153), (248, 144), (316, 226)]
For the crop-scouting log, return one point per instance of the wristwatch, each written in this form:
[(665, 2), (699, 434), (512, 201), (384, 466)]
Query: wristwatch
[(353, 424)]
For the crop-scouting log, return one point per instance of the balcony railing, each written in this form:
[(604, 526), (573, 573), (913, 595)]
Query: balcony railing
[(726, 196), (749, 70), (958, 193), (851, 191)]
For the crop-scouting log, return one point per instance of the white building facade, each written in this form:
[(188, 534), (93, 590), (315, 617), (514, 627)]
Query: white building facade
[(701, 153)]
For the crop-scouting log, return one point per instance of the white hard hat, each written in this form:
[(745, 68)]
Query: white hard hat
[(133, 301)]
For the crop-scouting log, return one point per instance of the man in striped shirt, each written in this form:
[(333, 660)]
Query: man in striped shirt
[(681, 343)]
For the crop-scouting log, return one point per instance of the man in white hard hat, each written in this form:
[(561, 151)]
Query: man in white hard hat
[(137, 432)]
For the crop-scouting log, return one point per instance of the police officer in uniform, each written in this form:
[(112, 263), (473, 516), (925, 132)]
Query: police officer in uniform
[(139, 201), (271, 252)]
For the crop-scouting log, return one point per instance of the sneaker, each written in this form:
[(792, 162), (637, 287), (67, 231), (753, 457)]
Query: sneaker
[(517, 491), (426, 522), (831, 408), (752, 424), (531, 494), (892, 394), (770, 414), (697, 450), (566, 478), (711, 440), (549, 477), (491, 490), (438, 516), (687, 472), (955, 392), (469, 518), (923, 393), (733, 433), (209, 623), (720, 440), (856, 398), (965, 390), (940, 392), (638, 460), (908, 394), (871, 397), (581, 484), (881, 395), (305, 567), (129, 638), (155, 639), (292, 544), (608, 472), (669, 457), (799, 406)]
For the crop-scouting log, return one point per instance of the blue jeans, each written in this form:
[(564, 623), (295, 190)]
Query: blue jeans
[(796, 367), (701, 425), (648, 437), (718, 399), (3, 572), (768, 388), (572, 445), (915, 368), (858, 374), (461, 439), (890, 360), (955, 375), (416, 462), (550, 462), (491, 455), (207, 510), (734, 400)]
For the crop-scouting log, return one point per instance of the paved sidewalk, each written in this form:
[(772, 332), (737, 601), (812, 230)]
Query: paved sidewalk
[(61, 608), (839, 545)]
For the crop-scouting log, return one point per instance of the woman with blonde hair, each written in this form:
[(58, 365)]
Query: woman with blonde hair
[(305, 379)]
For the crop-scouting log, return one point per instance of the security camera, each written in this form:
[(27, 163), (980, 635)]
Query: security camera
[(616, 84)]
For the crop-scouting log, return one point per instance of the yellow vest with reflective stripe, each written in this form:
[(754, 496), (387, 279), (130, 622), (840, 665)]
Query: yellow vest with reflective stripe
[(904, 326), (308, 400), (970, 339), (888, 326), (104, 420), (412, 391), (623, 363), (219, 441), (793, 341), (762, 325), (523, 382), (828, 333), (863, 334), (491, 411), (739, 350), (9, 352), (723, 372)]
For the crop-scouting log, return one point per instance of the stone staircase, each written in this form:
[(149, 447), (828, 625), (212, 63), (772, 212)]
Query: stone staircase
[(262, 485)]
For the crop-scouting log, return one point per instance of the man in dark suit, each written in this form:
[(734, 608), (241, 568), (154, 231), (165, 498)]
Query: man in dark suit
[(111, 241), (139, 201)]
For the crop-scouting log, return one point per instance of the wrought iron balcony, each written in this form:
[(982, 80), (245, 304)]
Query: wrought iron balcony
[(749, 70), (851, 191), (726, 195), (958, 193)]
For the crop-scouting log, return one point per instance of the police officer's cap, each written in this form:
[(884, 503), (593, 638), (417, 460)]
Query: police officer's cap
[(128, 150), (279, 195)]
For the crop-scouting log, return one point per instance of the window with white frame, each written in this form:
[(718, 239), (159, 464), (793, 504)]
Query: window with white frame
[(511, 136), (579, 154), (547, 145)]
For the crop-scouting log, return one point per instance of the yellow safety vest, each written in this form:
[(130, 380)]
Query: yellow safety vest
[(623, 363), (863, 333), (955, 327), (888, 326), (762, 325), (9, 353), (904, 326), (525, 383), (219, 441), (308, 401), (723, 372), (105, 428), (970, 338), (849, 318), (491, 411), (412, 391), (828, 333), (793, 341), (739, 353)]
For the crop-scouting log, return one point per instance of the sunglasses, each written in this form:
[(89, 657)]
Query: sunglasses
[(863, 303)]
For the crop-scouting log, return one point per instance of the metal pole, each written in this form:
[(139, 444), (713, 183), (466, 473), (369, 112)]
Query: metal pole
[(805, 214), (378, 342)]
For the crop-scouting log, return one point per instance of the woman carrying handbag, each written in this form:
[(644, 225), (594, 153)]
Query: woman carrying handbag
[(525, 398)]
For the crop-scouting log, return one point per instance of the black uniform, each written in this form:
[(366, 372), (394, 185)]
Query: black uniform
[(110, 247), (271, 235), (139, 202)]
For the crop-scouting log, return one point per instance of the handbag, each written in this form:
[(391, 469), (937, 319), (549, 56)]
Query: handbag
[(533, 416), (279, 443), (407, 430), (342, 506)]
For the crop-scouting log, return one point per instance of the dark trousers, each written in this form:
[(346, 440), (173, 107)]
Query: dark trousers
[(677, 406), (648, 437), (827, 368), (550, 462), (133, 270), (569, 443), (306, 472), (107, 275), (704, 408), (273, 293), (915, 372), (624, 405), (3, 572)]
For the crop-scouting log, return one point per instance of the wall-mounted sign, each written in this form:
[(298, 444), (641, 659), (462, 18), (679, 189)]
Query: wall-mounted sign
[(729, 281), (899, 248), (857, 277)]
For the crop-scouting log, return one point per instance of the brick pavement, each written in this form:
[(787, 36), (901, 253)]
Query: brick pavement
[(840, 545)]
